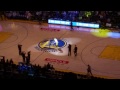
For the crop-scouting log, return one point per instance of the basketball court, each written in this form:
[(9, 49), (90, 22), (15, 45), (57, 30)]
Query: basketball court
[(98, 48)]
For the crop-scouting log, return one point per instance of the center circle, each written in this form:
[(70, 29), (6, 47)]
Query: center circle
[(51, 44), (61, 43)]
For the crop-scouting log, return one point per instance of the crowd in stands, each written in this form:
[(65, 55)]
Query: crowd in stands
[(104, 18), (10, 70)]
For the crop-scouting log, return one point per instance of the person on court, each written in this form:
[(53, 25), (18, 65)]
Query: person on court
[(75, 50), (20, 48), (89, 72), (71, 26), (69, 50)]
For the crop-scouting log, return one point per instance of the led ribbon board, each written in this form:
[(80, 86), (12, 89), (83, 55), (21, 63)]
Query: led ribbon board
[(89, 25), (85, 25), (59, 22)]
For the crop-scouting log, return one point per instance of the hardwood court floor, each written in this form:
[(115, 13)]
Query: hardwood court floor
[(90, 47)]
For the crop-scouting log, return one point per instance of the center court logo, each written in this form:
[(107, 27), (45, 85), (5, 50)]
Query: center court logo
[(51, 45)]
